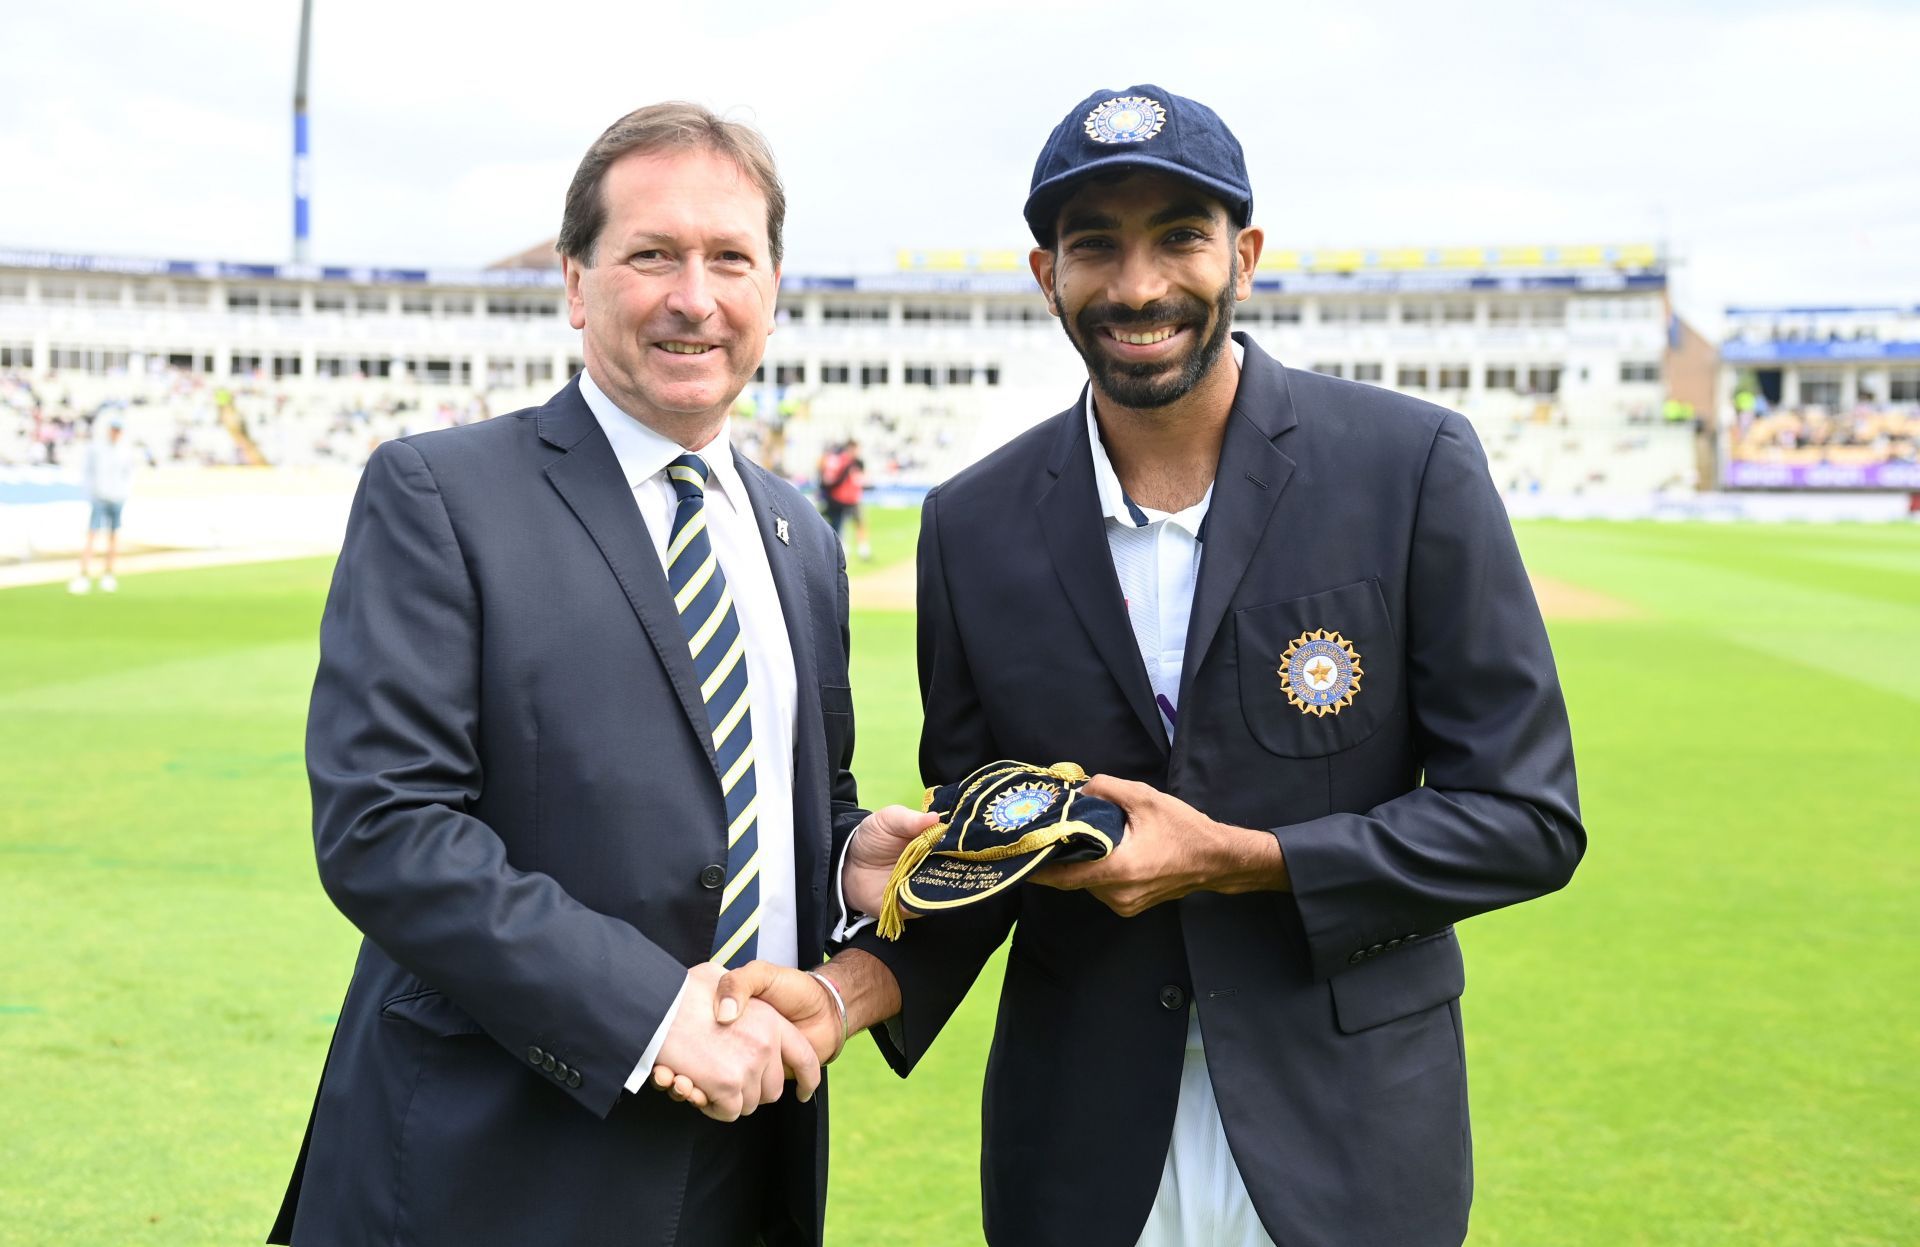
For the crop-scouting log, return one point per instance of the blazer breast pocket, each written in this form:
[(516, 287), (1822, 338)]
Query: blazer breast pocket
[(1318, 674)]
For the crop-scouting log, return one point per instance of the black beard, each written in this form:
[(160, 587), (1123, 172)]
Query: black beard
[(1150, 385)]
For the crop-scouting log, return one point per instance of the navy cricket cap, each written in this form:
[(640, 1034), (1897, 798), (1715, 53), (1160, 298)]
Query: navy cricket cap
[(996, 826), (1141, 127)]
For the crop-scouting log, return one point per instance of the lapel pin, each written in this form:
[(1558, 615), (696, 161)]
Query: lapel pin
[(780, 529)]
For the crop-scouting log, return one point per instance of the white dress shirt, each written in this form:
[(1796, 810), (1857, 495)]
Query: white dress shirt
[(742, 555), (1156, 556)]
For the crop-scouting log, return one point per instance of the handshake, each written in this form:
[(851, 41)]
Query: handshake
[(752, 1029), (740, 1034)]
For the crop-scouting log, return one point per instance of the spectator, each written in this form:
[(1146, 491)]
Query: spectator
[(843, 482), (109, 478)]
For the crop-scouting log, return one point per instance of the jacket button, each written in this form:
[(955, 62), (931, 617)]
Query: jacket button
[(1376, 950), (1356, 958), (535, 1056), (1172, 997), (713, 876), (573, 1078), (549, 1063)]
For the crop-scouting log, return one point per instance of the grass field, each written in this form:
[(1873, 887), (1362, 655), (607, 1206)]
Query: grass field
[(1708, 1038)]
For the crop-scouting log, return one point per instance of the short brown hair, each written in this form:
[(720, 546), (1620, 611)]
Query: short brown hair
[(658, 127)]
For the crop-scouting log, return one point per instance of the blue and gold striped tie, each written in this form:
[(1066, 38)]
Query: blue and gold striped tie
[(719, 660)]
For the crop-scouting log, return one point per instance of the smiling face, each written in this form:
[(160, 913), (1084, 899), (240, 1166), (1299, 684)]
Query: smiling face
[(677, 299), (1144, 277)]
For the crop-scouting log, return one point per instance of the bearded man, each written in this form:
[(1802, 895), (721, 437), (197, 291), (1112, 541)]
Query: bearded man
[(1284, 616)]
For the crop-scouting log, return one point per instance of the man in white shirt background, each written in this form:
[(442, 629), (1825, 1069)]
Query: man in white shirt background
[(108, 472)]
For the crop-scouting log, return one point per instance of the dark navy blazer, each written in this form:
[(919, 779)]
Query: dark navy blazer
[(515, 801), (1445, 789)]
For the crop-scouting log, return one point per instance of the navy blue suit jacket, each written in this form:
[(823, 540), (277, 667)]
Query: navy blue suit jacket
[(515, 801), (1445, 789)]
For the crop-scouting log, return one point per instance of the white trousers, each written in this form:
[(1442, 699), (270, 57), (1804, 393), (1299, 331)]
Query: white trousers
[(1201, 1199)]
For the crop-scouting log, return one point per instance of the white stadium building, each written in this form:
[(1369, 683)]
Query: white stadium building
[(1559, 336), (1567, 359)]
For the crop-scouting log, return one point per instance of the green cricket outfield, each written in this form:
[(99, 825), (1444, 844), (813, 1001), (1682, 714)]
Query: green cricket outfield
[(1709, 1038)]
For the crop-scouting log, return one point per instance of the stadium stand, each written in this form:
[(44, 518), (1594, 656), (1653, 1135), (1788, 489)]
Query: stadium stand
[(1821, 397), (180, 417), (1561, 357), (1865, 435)]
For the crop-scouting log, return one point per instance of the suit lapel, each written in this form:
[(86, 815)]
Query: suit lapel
[(1076, 538), (589, 479), (1246, 488)]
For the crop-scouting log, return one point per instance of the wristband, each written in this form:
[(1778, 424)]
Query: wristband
[(840, 1006)]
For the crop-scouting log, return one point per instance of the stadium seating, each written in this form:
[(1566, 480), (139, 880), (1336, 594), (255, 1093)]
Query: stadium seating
[(1868, 434), (181, 418)]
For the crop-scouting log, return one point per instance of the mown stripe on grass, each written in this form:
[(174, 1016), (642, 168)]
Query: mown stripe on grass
[(1832, 621), (236, 681)]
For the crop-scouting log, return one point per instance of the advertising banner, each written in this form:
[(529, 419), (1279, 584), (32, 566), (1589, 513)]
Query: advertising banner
[(1749, 475)]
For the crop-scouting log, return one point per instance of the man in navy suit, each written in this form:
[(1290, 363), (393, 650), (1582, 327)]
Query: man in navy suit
[(579, 739), (1284, 617)]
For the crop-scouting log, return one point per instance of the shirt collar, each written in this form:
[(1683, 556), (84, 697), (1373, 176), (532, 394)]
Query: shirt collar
[(645, 453), (1114, 503)]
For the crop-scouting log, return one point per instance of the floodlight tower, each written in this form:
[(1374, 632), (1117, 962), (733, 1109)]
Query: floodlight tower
[(302, 175)]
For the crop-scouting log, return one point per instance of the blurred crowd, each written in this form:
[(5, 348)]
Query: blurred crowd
[(180, 417), (790, 436), (895, 447), (1867, 434)]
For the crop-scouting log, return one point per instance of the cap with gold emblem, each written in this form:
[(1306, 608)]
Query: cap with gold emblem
[(996, 826), (1145, 127)]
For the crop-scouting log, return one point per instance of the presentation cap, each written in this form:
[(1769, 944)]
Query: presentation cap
[(996, 826)]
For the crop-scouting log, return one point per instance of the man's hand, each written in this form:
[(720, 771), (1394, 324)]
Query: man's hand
[(876, 846), (737, 1067), (1170, 849), (799, 997), (866, 985)]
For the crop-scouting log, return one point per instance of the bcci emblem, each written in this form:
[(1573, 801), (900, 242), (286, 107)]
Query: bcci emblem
[(1126, 119), (1020, 805), (1320, 672)]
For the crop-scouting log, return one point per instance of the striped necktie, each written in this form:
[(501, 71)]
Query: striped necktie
[(719, 660)]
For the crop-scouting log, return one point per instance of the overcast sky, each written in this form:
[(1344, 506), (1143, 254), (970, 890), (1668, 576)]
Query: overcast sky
[(1773, 146)]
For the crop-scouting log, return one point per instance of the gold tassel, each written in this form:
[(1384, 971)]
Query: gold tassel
[(892, 920)]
